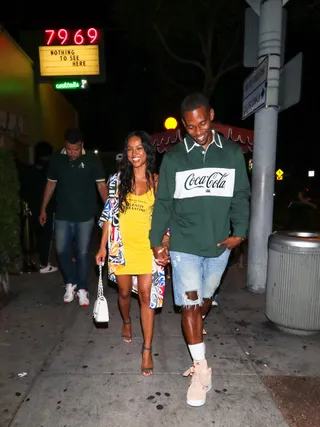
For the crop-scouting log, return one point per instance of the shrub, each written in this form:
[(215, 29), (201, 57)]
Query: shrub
[(9, 215)]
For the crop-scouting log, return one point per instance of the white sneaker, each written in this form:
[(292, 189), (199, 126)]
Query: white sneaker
[(200, 383), (70, 293), (215, 303), (48, 269), (83, 297)]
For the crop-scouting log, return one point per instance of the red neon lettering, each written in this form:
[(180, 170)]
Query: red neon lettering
[(92, 34), (63, 35), (51, 36), (78, 38)]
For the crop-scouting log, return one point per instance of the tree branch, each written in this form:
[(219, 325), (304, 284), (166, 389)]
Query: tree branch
[(227, 69), (209, 44), (174, 55), (179, 86), (196, 30), (229, 54), (210, 83), (202, 44)]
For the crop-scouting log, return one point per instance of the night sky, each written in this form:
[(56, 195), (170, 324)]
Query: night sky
[(135, 96)]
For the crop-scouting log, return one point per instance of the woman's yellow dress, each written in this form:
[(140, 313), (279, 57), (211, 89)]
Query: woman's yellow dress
[(135, 224)]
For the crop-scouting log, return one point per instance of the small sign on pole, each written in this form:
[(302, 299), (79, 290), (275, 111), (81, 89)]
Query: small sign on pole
[(255, 89), (290, 83)]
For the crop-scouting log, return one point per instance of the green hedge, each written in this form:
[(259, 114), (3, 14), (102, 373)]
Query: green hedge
[(9, 211)]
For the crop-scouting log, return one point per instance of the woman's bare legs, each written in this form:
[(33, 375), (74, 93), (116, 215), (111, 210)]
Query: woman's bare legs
[(124, 298), (147, 315)]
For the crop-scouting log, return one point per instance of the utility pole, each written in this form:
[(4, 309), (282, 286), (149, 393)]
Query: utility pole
[(265, 143)]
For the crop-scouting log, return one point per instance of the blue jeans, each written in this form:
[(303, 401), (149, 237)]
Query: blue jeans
[(68, 232), (195, 273)]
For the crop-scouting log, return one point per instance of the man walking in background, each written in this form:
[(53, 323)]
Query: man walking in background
[(32, 187), (75, 175), (203, 196)]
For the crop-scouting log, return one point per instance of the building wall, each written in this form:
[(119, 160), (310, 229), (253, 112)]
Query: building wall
[(57, 115), (29, 112)]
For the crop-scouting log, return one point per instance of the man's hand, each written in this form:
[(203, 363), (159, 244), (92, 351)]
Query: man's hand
[(48, 191), (166, 242), (161, 255), (231, 242), (103, 190), (43, 217)]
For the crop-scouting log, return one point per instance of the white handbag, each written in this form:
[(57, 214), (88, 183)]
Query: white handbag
[(100, 308)]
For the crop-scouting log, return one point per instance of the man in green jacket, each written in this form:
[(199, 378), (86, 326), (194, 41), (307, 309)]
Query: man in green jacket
[(203, 197)]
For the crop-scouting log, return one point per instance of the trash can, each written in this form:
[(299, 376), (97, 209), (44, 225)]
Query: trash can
[(293, 282)]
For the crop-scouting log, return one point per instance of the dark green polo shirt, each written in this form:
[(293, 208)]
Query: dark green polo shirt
[(201, 194), (76, 190)]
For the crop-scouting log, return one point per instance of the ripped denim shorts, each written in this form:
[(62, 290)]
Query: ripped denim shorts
[(195, 273)]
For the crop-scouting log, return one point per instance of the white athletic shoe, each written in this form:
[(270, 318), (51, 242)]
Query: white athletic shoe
[(48, 269), (83, 297), (70, 293)]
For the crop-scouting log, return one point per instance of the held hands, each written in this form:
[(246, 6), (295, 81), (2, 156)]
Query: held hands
[(101, 256), (231, 242), (161, 255), (166, 242)]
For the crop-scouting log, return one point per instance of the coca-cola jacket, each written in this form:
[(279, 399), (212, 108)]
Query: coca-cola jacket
[(203, 196)]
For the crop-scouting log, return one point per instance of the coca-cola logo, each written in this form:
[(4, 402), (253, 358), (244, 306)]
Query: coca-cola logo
[(215, 180)]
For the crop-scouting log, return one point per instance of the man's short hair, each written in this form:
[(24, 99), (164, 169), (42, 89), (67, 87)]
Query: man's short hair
[(73, 136), (193, 102)]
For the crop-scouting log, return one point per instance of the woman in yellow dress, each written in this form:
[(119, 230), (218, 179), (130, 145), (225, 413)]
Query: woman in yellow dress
[(137, 185)]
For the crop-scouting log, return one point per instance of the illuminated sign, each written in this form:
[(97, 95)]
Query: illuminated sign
[(279, 174), (63, 37), (71, 85), (70, 54), (81, 60)]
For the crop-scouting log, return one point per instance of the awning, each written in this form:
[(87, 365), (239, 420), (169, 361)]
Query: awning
[(164, 141)]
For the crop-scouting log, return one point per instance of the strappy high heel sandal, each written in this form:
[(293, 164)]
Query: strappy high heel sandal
[(146, 371), (127, 338)]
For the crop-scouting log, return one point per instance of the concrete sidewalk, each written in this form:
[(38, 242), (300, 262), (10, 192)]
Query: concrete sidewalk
[(81, 376)]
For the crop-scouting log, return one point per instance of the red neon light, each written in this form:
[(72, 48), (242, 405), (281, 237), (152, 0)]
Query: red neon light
[(76, 37), (92, 34), (63, 35), (51, 35)]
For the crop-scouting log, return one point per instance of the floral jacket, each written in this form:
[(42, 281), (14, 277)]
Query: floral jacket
[(110, 214)]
